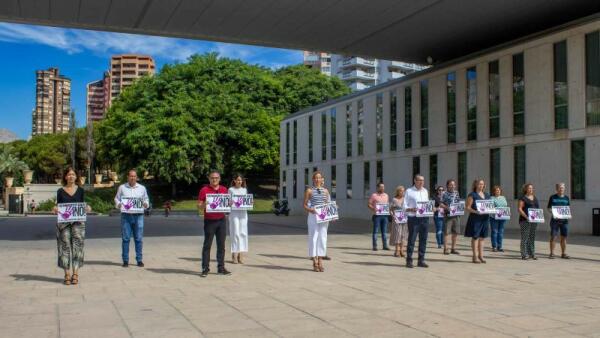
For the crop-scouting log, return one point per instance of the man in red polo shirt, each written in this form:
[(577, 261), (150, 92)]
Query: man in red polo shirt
[(214, 224)]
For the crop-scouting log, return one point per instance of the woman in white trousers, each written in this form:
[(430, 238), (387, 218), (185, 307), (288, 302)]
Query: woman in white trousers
[(317, 232), (238, 222)]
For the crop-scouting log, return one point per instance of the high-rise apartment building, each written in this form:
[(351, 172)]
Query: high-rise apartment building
[(98, 96), (52, 103), (126, 68), (318, 60)]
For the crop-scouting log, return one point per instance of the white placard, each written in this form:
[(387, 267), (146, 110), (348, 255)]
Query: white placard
[(561, 212), (326, 212), (535, 215), (382, 209), (502, 213), (485, 207), (400, 216), (242, 202), (218, 203), (71, 212), (132, 205), (457, 209), (425, 209)]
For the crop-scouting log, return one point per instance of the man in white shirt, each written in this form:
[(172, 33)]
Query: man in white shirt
[(416, 225), (132, 199)]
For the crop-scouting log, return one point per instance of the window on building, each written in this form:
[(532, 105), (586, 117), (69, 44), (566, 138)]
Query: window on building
[(379, 170), (323, 136), (366, 179), (494, 98), (519, 170), (295, 184), (494, 167), (393, 122), (379, 122), (462, 173), (424, 113), (306, 178), (360, 127), (416, 165), (295, 148), (592, 78), (310, 138), (333, 181), (518, 82), (284, 184), (433, 172), (471, 104), (349, 180), (333, 121), (578, 169), (407, 118), (451, 106), (561, 89), (349, 130)]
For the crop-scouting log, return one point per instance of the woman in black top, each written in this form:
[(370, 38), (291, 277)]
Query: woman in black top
[(70, 236), (527, 201)]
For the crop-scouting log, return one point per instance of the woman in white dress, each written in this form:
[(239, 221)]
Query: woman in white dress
[(238, 222), (317, 232)]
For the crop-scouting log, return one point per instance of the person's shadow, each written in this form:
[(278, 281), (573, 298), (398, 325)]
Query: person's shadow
[(37, 278)]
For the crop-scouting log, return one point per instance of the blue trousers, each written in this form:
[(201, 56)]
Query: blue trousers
[(380, 222), (132, 224), (497, 226), (417, 226), (439, 230)]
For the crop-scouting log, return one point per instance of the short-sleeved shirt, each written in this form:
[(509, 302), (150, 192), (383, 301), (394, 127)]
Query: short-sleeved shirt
[(207, 189), (63, 197), (379, 198), (558, 201), (499, 201), (534, 204), (412, 196)]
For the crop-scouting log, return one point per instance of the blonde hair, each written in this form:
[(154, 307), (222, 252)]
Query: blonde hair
[(397, 191)]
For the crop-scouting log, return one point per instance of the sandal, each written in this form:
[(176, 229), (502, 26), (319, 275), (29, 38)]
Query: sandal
[(75, 279), (321, 268), (482, 260), (476, 261), (315, 265), (239, 258), (234, 258), (565, 256), (67, 279)]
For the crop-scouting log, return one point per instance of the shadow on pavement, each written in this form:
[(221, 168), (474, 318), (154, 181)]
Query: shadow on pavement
[(282, 256), (191, 259), (174, 271), (276, 267), (37, 278), (108, 263)]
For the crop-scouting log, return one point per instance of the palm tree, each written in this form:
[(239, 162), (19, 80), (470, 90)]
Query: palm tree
[(10, 164)]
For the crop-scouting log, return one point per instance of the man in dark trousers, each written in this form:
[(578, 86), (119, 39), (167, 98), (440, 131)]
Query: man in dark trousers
[(214, 224)]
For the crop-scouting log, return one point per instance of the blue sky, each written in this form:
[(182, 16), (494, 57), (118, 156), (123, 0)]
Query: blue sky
[(83, 55)]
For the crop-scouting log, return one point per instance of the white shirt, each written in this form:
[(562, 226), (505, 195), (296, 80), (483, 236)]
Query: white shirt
[(412, 196), (137, 191)]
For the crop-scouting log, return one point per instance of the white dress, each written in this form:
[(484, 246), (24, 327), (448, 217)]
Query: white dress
[(238, 225)]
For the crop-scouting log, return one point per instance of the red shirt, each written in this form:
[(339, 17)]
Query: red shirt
[(207, 189)]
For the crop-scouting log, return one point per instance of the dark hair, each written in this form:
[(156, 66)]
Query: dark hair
[(213, 171), (450, 180), (476, 182), (525, 186), (379, 183), (235, 177), (66, 172), (496, 187)]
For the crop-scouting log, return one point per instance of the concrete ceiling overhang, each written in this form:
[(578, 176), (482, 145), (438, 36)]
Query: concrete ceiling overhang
[(408, 30)]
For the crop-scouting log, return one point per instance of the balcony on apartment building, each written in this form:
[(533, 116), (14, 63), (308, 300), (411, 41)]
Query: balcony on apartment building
[(359, 74), (404, 67), (351, 62)]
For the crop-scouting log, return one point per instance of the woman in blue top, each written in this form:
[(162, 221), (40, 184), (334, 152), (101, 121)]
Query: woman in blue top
[(497, 225), (477, 224)]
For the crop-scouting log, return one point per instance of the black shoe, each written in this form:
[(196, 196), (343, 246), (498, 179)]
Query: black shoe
[(141, 264), (410, 265), (534, 258), (423, 265), (454, 252), (524, 258), (386, 248), (125, 264), (224, 272), (374, 248), (204, 273), (500, 250)]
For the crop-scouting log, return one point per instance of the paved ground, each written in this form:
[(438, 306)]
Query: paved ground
[(361, 293)]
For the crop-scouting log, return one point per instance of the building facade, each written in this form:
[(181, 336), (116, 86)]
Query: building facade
[(98, 98), (52, 103), (526, 111), (126, 68), (318, 60)]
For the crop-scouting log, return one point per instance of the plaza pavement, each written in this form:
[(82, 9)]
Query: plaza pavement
[(275, 294)]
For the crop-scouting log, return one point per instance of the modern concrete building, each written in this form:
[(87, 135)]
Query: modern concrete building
[(523, 111), (98, 98), (52, 103), (318, 60), (126, 68)]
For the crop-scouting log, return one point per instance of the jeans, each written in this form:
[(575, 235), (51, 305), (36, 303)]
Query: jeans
[(439, 230), (417, 226), (214, 228), (380, 222), (497, 226), (132, 224)]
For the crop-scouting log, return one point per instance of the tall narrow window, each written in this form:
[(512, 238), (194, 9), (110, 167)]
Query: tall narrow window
[(284, 184), (494, 167), (592, 78), (471, 104), (393, 122), (379, 122), (416, 165), (433, 172), (306, 179), (287, 143), (333, 181), (561, 88), (578, 169), (295, 149), (519, 170), (360, 127), (323, 136), (518, 82), (349, 180), (379, 178), (333, 140), (310, 138), (451, 106), (349, 130), (494, 99), (424, 113), (407, 118), (294, 184), (366, 179), (462, 173)]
